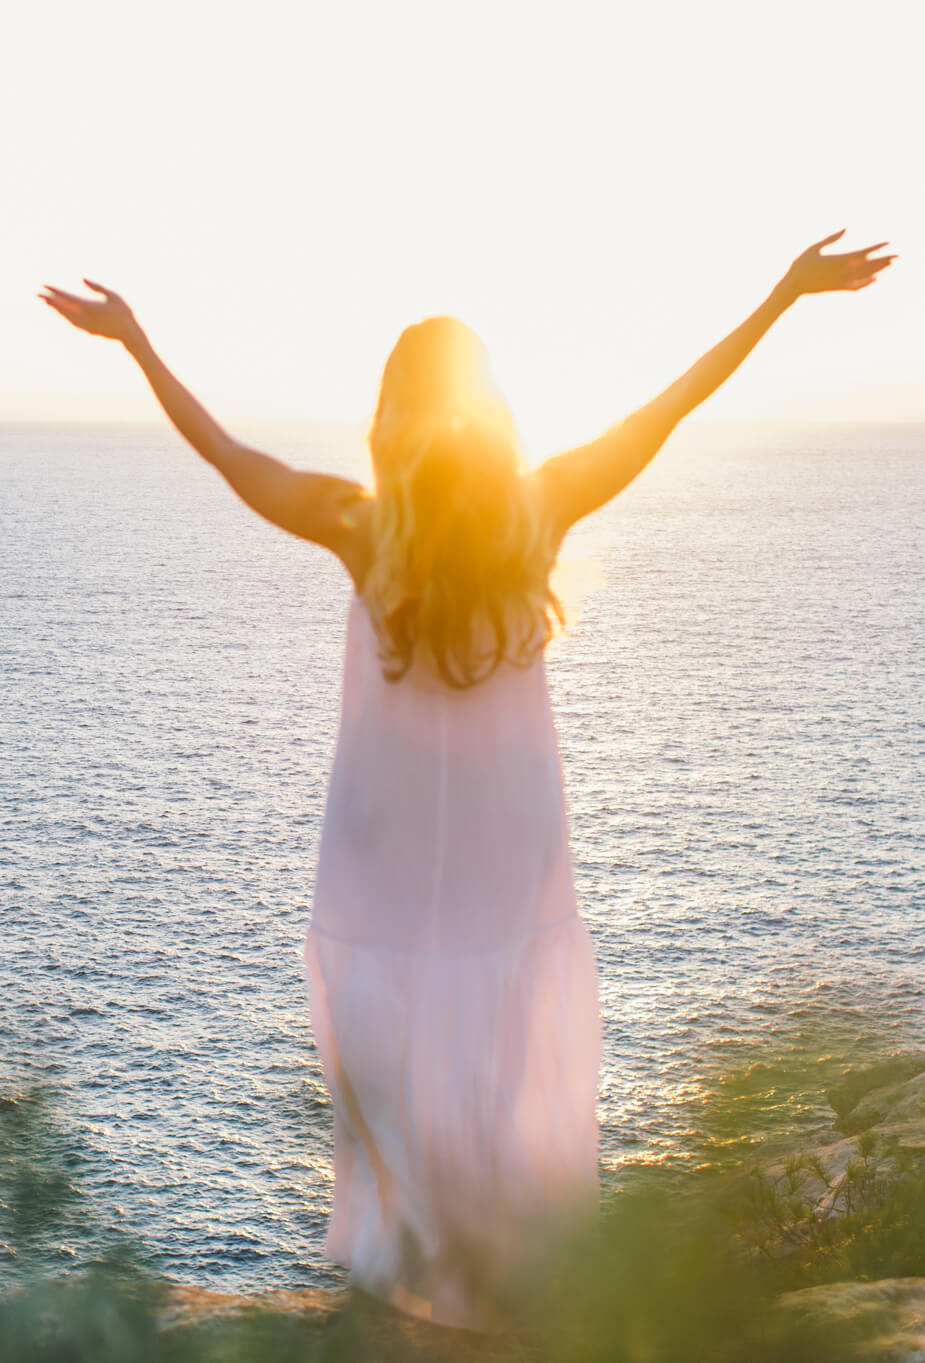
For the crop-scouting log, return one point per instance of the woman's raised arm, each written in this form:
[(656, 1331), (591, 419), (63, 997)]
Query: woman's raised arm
[(575, 483), (315, 506)]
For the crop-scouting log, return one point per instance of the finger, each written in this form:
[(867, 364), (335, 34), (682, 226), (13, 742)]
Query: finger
[(64, 309), (72, 311), (827, 241), (861, 255), (98, 288), (870, 268), (60, 293), (56, 303), (65, 303)]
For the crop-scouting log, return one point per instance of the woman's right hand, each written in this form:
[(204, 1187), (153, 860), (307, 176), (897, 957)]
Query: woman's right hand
[(813, 272), (109, 315)]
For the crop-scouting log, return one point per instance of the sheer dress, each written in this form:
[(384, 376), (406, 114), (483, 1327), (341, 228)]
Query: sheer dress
[(452, 985)]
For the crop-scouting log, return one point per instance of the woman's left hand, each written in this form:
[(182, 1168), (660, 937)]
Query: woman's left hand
[(109, 315)]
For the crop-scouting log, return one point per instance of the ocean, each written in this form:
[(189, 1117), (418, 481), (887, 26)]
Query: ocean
[(739, 704)]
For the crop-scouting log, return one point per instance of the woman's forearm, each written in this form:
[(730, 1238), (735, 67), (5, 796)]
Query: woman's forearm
[(714, 368), (190, 418)]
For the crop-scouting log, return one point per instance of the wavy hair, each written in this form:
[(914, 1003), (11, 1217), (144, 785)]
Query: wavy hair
[(461, 561)]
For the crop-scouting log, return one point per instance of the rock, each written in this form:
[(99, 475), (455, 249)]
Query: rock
[(886, 1075), (184, 1304), (377, 1330), (888, 1316), (891, 1103)]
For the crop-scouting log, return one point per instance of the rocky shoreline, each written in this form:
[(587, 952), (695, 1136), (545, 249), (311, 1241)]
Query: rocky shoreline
[(806, 1196)]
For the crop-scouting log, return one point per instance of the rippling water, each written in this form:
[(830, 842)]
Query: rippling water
[(739, 701)]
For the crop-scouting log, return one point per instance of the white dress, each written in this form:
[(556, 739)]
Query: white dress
[(453, 987)]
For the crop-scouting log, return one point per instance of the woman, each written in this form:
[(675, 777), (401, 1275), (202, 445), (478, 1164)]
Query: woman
[(452, 984)]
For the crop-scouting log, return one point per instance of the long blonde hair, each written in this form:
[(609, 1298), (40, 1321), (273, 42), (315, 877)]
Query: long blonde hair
[(461, 561)]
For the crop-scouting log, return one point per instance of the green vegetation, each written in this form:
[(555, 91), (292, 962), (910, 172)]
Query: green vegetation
[(687, 1264)]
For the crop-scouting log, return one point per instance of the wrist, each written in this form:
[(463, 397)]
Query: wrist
[(135, 341), (785, 292)]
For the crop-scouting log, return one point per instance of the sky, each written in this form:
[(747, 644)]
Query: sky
[(601, 190)]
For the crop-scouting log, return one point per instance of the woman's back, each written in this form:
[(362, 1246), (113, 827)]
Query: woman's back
[(445, 830)]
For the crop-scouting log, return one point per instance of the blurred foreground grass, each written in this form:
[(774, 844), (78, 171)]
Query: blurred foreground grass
[(686, 1264)]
